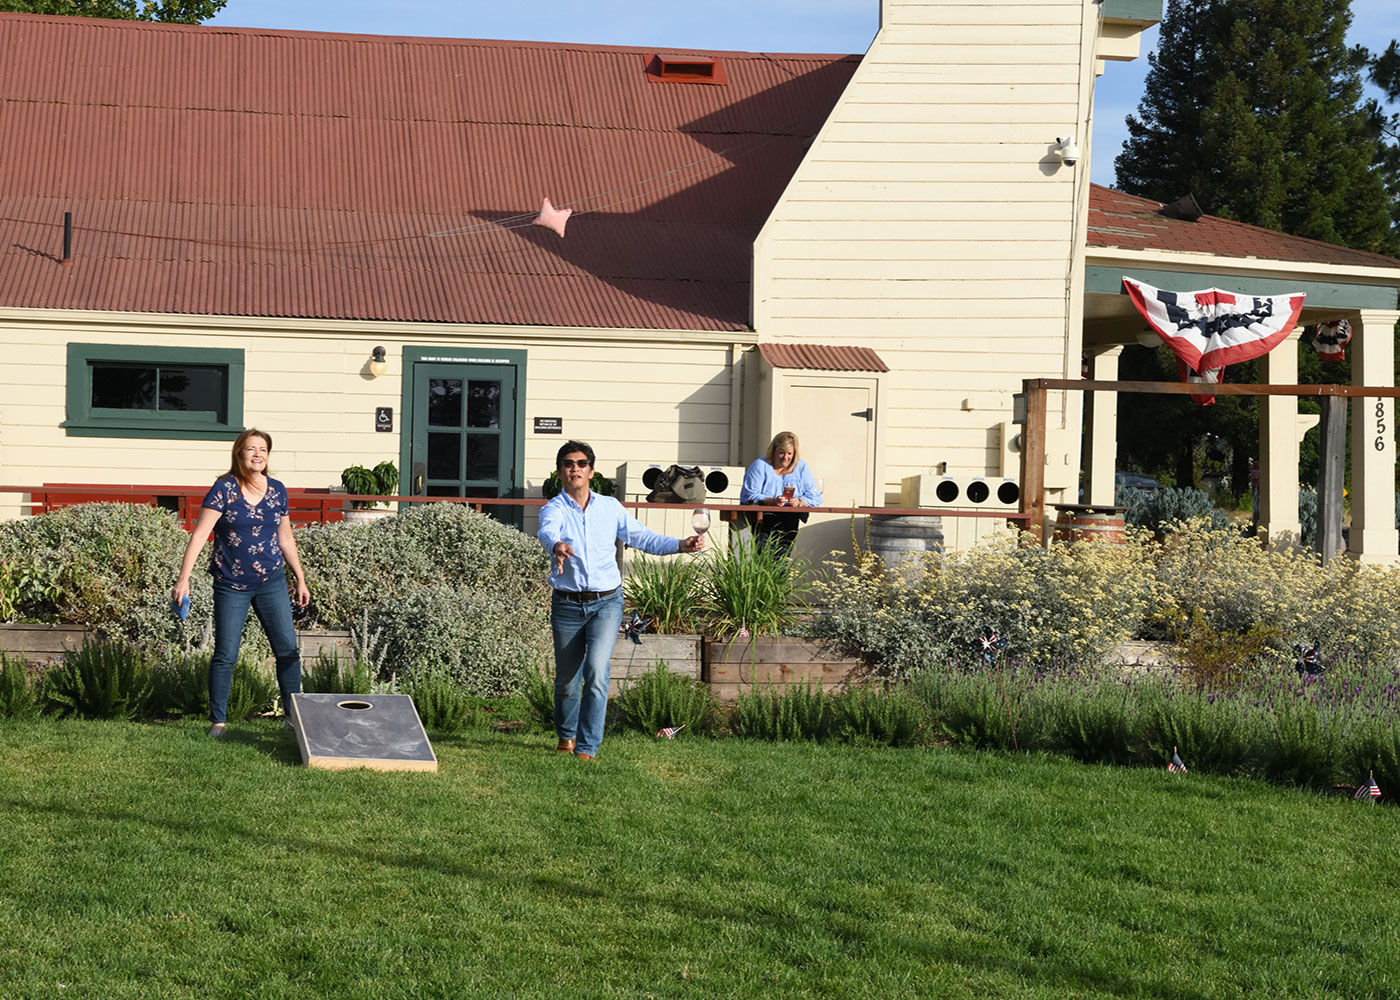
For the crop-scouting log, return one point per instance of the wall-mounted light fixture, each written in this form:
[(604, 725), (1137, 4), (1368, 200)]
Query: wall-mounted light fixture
[(377, 365), (1068, 149)]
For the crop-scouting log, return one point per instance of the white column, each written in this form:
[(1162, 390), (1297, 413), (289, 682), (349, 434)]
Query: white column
[(1101, 427), (1373, 537), (1278, 443)]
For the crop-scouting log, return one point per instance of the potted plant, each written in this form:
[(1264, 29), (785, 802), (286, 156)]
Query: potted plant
[(382, 480), (599, 484)]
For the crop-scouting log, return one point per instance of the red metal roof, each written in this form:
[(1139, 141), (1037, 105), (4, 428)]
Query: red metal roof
[(822, 357), (279, 173), (1128, 222)]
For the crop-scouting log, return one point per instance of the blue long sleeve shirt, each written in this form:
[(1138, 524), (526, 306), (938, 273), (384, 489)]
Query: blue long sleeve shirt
[(762, 482), (593, 534)]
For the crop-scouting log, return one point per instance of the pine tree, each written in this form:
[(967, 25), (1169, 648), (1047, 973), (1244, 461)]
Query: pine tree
[(1254, 107), (177, 11)]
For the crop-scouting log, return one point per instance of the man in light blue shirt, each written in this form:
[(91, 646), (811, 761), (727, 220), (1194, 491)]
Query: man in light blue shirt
[(580, 530)]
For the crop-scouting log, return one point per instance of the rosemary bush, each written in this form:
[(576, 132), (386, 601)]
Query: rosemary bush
[(660, 699), (17, 700), (668, 591), (885, 718), (442, 705), (330, 674), (802, 712), (538, 692), (103, 679)]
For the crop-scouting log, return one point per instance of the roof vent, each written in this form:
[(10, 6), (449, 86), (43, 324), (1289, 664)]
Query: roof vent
[(671, 67), (1185, 208)]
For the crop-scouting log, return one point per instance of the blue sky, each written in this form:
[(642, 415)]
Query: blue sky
[(836, 26)]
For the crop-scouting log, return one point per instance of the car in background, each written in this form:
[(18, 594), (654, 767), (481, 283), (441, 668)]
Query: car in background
[(1135, 481)]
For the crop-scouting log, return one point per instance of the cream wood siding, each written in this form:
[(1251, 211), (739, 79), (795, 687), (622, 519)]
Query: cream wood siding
[(932, 221), (659, 396)]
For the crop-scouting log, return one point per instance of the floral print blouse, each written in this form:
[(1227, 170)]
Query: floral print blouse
[(246, 550)]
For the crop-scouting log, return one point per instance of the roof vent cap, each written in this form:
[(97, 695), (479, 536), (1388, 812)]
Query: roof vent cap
[(1185, 208), (673, 67)]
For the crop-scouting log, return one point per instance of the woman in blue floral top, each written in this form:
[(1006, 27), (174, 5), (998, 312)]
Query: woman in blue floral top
[(248, 515)]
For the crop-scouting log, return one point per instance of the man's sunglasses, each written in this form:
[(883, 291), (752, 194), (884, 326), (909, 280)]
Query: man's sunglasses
[(569, 463)]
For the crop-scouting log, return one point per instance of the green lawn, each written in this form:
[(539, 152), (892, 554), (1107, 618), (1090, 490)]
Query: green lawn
[(148, 861)]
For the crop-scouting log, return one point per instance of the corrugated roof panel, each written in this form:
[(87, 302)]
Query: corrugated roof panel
[(1129, 222), (822, 357), (251, 172)]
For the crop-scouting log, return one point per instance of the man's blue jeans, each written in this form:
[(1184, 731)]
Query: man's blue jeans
[(273, 607), (584, 635)]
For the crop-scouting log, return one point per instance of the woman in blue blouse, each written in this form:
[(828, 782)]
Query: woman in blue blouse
[(780, 479), (247, 513)]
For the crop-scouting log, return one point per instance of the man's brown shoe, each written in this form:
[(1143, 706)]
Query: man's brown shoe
[(565, 746), (585, 756)]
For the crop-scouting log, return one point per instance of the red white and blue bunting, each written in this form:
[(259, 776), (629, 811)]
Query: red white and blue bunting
[(1212, 328)]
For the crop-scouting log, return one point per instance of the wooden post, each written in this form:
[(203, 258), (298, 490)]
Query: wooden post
[(1331, 461), (1033, 457)]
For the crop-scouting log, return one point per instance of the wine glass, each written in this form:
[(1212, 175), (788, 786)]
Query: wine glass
[(700, 520)]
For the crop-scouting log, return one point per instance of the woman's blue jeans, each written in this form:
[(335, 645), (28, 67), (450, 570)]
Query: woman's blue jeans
[(273, 607), (584, 636)]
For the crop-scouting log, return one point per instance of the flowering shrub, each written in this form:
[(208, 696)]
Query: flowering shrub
[(1066, 602)]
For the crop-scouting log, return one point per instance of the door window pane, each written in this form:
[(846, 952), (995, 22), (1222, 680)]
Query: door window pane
[(445, 402), (443, 491), (191, 388), (123, 387), (444, 456), (484, 404), (483, 456)]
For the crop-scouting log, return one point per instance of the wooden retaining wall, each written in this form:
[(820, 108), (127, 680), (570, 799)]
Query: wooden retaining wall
[(773, 663)]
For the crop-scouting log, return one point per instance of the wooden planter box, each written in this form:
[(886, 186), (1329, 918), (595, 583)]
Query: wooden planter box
[(40, 643), (630, 661), (773, 663)]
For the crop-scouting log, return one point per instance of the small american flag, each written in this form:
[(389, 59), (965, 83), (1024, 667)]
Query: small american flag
[(670, 734), (1175, 765), (1370, 790), (743, 631)]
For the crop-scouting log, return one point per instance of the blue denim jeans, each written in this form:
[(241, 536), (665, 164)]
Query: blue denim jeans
[(584, 635), (273, 607)]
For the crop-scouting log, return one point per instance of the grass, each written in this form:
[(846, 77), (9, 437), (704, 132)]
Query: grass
[(144, 860)]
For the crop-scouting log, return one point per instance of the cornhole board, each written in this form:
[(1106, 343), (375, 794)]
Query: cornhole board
[(379, 731)]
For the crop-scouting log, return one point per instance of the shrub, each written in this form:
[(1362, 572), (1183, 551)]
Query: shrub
[(485, 641), (1062, 603), (1212, 734), (1094, 724), (329, 674), (1307, 515), (104, 679), (1373, 748), (1167, 509), (538, 691), (760, 589), (253, 691), (973, 710), (442, 705), (886, 718), (660, 699), (1296, 748), (802, 712), (1211, 659), (17, 700), (351, 567), (107, 566), (181, 685), (667, 590)]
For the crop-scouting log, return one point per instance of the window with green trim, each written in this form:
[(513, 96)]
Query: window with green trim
[(154, 392)]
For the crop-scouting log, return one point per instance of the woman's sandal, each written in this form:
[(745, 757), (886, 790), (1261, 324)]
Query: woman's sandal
[(217, 730)]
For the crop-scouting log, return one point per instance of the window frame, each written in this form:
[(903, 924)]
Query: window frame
[(84, 420)]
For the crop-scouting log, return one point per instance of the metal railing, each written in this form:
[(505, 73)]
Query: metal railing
[(321, 507)]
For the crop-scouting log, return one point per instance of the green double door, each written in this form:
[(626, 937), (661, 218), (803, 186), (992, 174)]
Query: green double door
[(464, 433)]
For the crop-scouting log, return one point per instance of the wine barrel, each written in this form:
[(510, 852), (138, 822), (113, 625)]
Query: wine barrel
[(902, 541), (1077, 524)]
